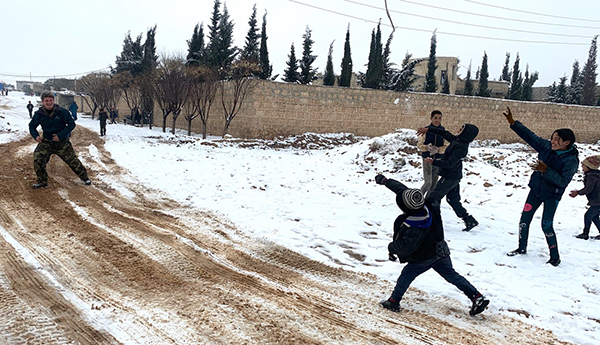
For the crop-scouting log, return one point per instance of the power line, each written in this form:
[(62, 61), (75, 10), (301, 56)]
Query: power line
[(21, 75), (468, 24), (534, 13), (500, 18), (440, 32)]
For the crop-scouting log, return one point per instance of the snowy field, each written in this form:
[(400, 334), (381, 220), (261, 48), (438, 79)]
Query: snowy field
[(315, 194)]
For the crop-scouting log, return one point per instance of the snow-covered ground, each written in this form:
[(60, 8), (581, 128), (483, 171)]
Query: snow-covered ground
[(324, 203)]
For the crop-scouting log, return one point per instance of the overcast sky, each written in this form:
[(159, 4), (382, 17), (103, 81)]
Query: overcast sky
[(67, 38)]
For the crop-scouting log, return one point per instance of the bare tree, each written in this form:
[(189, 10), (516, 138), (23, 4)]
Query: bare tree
[(130, 90), (235, 90), (94, 86), (171, 87), (203, 89)]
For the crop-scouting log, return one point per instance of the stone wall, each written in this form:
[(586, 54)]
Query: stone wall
[(289, 109), (281, 109)]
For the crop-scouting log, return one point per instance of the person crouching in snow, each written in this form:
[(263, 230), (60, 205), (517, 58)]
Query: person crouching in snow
[(556, 165), (591, 189), (419, 241)]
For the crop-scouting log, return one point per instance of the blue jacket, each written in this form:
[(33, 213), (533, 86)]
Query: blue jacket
[(58, 121), (73, 109), (450, 163), (562, 165)]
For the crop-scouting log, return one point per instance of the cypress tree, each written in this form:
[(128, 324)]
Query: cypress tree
[(346, 74), (290, 74), (388, 67), (150, 59), (483, 90), (375, 65), (251, 49), (528, 84), (402, 80), (430, 82), (561, 91), (226, 51), (307, 72), (505, 76), (575, 86), (329, 76), (131, 56), (551, 93), (468, 83), (516, 81), (588, 93), (212, 48), (196, 47), (265, 65)]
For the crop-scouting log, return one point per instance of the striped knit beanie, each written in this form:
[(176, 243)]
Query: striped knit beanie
[(410, 200), (592, 162)]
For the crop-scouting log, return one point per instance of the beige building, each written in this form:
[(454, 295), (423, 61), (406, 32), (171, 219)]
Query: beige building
[(447, 67)]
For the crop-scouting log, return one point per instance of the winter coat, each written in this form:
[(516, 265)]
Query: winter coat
[(562, 165), (102, 116), (58, 121), (591, 187), (450, 163), (73, 109), (29, 106), (433, 139), (413, 244)]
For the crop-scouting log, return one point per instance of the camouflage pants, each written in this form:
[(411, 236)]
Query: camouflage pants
[(62, 149)]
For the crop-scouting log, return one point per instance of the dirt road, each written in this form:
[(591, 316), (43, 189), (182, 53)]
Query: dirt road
[(117, 263)]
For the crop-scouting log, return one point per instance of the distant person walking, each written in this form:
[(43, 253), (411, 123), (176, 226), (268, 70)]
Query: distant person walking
[(114, 115), (57, 125), (450, 169), (102, 116), (431, 145), (591, 189), (30, 109), (556, 165), (73, 109)]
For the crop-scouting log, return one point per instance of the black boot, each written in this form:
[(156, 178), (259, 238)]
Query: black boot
[(517, 251), (391, 305), (554, 262), (584, 236), (470, 223), (479, 305)]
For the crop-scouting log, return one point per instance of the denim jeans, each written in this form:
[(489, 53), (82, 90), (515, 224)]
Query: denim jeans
[(443, 266), (531, 205), (451, 189), (592, 215)]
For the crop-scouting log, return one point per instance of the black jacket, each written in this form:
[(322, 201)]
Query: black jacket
[(58, 121), (412, 244), (450, 163)]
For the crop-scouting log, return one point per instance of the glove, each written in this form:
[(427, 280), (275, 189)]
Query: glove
[(380, 179), (540, 166), (508, 114), (433, 149), (392, 257)]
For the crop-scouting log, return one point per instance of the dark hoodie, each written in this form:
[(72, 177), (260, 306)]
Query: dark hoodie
[(414, 244), (450, 163)]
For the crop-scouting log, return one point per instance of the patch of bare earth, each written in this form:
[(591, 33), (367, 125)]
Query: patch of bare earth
[(136, 268)]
